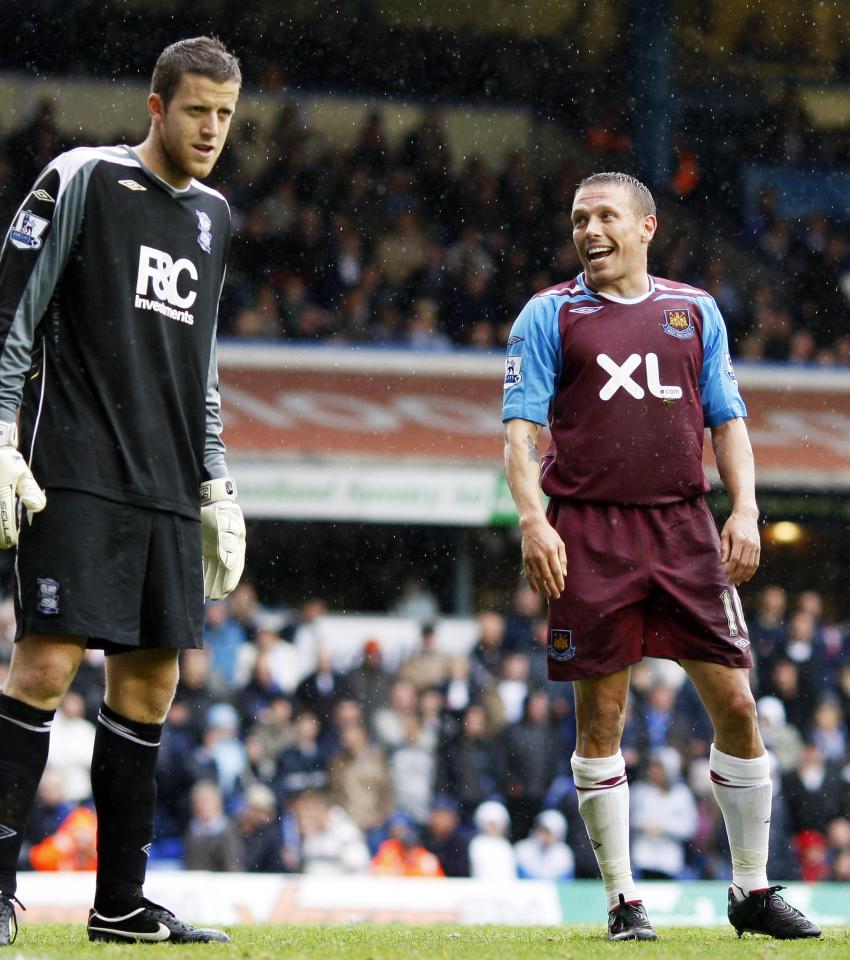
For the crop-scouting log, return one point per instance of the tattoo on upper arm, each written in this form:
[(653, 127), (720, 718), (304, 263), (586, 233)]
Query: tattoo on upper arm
[(531, 444)]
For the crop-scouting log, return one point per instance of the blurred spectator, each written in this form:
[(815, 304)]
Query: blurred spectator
[(257, 694), (269, 664), (814, 791), (303, 765), (369, 682), (244, 608), (544, 855), (223, 636), (71, 744), (416, 602), (52, 806), (828, 730), (804, 648), (412, 770), (491, 856), (196, 689), (389, 723), (780, 738), (533, 752), (273, 732), (447, 838), (520, 621), (72, 847), (359, 780), (513, 686), (813, 855), (321, 689), (767, 626), (221, 757), (213, 841), (471, 767), (429, 666), (401, 854), (663, 817), (331, 843), (259, 826)]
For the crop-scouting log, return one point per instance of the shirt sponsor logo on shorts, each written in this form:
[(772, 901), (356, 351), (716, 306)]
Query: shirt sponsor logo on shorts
[(48, 596), (27, 230), (678, 324), (561, 646), (513, 371)]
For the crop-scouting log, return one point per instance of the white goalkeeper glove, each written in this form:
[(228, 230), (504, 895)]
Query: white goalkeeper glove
[(16, 480), (222, 538)]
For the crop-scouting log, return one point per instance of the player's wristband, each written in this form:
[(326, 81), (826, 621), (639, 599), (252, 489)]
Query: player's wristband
[(215, 490), (8, 434)]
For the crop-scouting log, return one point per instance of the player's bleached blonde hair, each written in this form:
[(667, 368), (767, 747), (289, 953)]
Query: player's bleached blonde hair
[(206, 56), (643, 200)]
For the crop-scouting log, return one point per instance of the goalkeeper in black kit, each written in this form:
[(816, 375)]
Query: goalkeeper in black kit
[(110, 438)]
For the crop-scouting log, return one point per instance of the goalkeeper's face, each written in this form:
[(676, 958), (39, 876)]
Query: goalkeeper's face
[(192, 128)]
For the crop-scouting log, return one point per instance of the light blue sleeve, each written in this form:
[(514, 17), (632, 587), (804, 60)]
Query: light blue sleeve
[(721, 399), (533, 361)]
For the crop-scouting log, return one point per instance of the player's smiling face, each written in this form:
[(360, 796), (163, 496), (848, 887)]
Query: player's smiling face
[(612, 239), (192, 128)]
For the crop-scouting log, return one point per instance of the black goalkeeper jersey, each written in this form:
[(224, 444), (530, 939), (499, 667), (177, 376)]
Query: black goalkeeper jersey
[(109, 286)]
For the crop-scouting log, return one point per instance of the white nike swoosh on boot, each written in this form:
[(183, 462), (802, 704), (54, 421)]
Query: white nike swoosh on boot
[(162, 934)]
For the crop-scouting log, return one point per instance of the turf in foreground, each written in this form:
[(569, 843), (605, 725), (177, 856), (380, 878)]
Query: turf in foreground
[(373, 942)]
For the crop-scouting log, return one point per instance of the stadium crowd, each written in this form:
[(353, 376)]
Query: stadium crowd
[(398, 246), (276, 758)]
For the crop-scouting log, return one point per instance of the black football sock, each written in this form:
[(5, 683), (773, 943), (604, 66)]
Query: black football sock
[(24, 742), (124, 789)]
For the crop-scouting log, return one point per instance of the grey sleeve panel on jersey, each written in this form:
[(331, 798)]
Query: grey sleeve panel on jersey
[(16, 348), (214, 465)]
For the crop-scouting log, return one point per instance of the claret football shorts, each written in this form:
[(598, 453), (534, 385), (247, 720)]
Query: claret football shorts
[(124, 577), (641, 582)]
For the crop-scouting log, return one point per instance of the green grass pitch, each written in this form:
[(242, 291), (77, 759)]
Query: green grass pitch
[(374, 942)]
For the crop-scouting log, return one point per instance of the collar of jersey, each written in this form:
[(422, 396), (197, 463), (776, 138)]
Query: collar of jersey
[(611, 297), (174, 191)]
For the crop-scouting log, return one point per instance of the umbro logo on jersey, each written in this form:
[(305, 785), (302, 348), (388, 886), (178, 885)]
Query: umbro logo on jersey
[(586, 309), (43, 195), (131, 185)]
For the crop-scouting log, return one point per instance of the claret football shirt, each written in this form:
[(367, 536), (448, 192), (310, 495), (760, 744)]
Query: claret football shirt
[(626, 386)]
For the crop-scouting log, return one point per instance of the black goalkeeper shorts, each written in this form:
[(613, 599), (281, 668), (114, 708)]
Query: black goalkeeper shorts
[(121, 576)]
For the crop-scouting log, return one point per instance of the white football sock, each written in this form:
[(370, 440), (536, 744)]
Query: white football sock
[(743, 791), (603, 802)]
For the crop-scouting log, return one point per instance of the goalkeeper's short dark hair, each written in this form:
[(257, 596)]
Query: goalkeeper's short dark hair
[(206, 56), (643, 200)]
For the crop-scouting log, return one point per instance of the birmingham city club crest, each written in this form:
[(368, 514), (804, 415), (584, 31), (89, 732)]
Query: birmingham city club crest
[(204, 228), (561, 646), (678, 324)]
